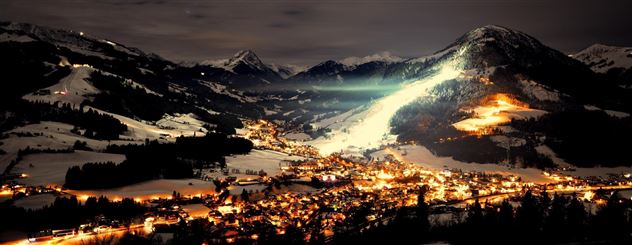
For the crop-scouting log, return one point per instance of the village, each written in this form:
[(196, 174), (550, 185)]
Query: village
[(318, 194)]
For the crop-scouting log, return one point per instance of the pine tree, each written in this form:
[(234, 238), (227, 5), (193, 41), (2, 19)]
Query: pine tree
[(528, 215), (555, 221), (422, 211), (575, 217), (610, 220)]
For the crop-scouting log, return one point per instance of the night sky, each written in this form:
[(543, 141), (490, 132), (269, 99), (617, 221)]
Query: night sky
[(307, 32)]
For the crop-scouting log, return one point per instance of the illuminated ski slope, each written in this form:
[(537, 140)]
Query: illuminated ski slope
[(500, 109), (372, 128)]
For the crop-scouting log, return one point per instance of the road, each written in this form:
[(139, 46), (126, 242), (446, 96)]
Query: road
[(111, 235)]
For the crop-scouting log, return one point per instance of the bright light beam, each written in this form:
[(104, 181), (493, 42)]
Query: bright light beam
[(374, 129)]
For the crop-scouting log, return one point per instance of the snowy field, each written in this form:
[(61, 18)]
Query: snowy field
[(422, 156), (265, 160), (581, 172), (54, 136), (161, 188), (76, 89), (142, 130), (184, 122), (545, 150), (35, 201), (50, 168)]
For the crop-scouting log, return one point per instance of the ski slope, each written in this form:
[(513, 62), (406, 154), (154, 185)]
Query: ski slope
[(72, 89), (371, 128)]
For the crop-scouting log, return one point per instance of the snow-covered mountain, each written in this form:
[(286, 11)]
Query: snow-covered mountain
[(385, 56), (249, 63), (65, 66), (350, 71), (250, 59), (602, 58), (465, 101), (245, 60), (249, 71), (74, 40), (491, 85)]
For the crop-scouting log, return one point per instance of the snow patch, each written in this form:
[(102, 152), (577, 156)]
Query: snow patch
[(612, 113), (545, 150), (188, 122), (265, 160), (539, 91), (50, 168)]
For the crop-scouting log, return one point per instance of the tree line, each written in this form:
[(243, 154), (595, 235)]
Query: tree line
[(582, 137), (68, 212), (537, 219), (155, 160), (124, 98), (96, 125)]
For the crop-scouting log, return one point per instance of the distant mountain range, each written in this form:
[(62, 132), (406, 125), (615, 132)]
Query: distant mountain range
[(247, 63), (614, 62), (601, 58), (540, 99)]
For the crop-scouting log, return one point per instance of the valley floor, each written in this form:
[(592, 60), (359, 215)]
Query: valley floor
[(422, 156)]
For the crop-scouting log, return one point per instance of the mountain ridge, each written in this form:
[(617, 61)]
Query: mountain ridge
[(494, 65)]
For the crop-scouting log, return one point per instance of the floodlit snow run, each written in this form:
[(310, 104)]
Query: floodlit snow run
[(74, 86), (372, 129), (501, 109)]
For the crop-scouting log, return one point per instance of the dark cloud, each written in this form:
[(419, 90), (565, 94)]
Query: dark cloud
[(307, 32)]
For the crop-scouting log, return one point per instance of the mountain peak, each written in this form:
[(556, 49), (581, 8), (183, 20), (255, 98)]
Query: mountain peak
[(492, 28), (495, 33), (494, 45), (245, 55)]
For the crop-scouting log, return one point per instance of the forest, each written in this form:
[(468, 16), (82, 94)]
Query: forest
[(95, 125), (155, 160)]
